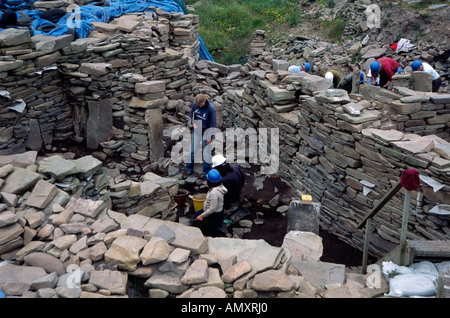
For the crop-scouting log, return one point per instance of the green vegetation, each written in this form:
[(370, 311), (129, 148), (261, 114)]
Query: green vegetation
[(425, 4), (334, 28), (226, 26)]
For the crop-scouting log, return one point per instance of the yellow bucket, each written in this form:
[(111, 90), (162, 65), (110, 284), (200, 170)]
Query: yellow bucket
[(198, 200)]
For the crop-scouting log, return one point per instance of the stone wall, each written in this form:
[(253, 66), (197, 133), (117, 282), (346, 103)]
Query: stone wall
[(107, 92), (348, 150)]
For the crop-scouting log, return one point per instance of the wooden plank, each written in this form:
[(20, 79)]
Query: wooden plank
[(404, 229), (366, 246), (380, 204)]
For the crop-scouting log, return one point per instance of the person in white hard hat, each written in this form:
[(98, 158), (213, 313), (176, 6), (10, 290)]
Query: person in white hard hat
[(232, 178), (333, 77)]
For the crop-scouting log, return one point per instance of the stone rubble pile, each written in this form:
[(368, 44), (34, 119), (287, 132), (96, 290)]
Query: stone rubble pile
[(324, 56), (54, 242), (36, 189)]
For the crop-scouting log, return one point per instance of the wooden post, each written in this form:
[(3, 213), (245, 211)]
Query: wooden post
[(366, 246), (404, 230)]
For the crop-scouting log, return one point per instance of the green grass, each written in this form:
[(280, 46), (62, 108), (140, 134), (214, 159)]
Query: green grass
[(226, 26)]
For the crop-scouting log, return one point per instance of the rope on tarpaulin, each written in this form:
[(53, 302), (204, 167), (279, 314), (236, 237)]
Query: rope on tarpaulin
[(79, 20)]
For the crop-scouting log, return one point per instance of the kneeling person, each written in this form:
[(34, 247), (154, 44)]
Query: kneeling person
[(232, 178), (212, 214)]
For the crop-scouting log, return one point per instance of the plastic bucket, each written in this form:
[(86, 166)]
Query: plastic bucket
[(198, 200), (180, 198)]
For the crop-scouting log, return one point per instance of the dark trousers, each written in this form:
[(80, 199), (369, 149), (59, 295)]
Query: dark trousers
[(211, 224), (436, 84), (384, 79)]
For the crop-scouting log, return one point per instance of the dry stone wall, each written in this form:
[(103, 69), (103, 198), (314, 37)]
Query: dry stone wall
[(125, 75), (348, 150)]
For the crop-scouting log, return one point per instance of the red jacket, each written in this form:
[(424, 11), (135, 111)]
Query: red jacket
[(389, 67)]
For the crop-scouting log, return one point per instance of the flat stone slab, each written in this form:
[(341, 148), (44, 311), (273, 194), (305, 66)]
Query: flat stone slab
[(365, 116), (443, 150), (328, 97), (57, 167), (114, 281), (440, 98), (385, 135), (279, 95), (304, 246), (86, 207), (20, 180), (258, 253), (321, 273), (19, 160), (374, 53), (13, 37), (186, 237), (11, 273), (414, 146), (50, 44), (42, 194), (87, 165)]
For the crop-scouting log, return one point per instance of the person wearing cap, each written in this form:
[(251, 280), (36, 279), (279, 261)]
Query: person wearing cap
[(212, 214), (305, 67), (425, 67), (347, 82), (334, 77), (361, 77), (384, 67), (232, 178), (202, 114)]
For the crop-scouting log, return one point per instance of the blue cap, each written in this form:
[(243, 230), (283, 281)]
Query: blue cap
[(307, 66), (361, 77), (214, 176), (375, 67), (415, 65)]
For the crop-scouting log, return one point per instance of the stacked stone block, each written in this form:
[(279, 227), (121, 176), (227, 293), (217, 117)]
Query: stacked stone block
[(348, 150), (84, 90)]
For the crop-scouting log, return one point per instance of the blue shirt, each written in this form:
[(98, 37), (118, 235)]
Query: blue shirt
[(207, 114)]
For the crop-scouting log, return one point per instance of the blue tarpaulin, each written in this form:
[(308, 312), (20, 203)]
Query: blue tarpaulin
[(82, 16)]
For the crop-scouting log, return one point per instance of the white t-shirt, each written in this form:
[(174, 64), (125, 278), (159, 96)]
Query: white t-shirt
[(427, 68)]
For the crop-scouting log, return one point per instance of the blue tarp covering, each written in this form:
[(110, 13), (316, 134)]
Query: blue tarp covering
[(82, 17)]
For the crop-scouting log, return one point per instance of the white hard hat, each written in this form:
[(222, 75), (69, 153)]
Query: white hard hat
[(329, 77), (218, 160)]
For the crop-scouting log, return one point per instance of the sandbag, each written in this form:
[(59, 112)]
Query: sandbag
[(391, 269), (412, 285), (425, 267)]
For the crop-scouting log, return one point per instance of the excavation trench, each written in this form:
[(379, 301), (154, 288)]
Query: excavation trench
[(270, 222)]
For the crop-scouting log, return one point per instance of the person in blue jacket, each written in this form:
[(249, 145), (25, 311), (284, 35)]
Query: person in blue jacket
[(203, 117), (232, 178)]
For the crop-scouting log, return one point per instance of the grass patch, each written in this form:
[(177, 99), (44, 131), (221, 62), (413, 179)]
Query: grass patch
[(226, 26), (334, 28)]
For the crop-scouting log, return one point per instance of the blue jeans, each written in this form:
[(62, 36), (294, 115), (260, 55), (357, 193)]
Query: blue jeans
[(197, 138)]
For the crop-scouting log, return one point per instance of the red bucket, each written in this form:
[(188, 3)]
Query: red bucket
[(180, 198)]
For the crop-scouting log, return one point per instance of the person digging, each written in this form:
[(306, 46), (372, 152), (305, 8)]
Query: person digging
[(212, 215)]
